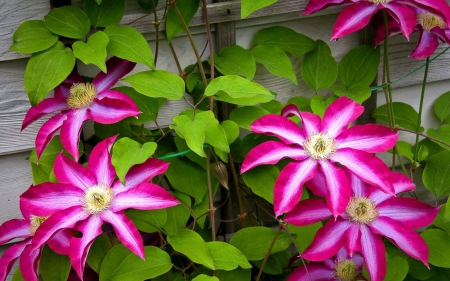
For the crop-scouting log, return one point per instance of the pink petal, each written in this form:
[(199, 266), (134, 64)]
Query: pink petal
[(290, 110), (91, 228), (115, 95), (141, 173), (109, 111), (358, 186), (270, 152), (275, 125), (288, 186), (400, 182), (393, 29), (437, 7), (47, 132), (307, 212), (404, 237), (126, 231), (70, 172), (146, 196), (46, 106), (10, 256), (404, 15), (318, 185), (426, 46), (100, 162), (374, 253), (310, 123), (408, 211), (47, 198), (370, 138), (71, 129), (14, 228), (316, 271), (353, 239), (316, 5), (63, 219), (353, 18), (338, 187), (60, 242), (29, 263), (328, 240), (339, 115), (365, 166), (117, 68)]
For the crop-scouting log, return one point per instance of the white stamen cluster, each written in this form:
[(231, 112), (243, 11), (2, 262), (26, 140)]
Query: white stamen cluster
[(319, 146), (81, 95), (97, 198), (362, 210), (429, 21), (346, 270), (35, 222)]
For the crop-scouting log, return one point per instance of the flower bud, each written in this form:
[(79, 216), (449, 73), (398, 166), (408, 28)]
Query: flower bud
[(221, 173)]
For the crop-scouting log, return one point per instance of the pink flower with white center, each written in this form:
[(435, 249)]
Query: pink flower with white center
[(84, 198), (359, 12), (29, 260), (342, 267), (321, 144), (370, 215), (77, 102)]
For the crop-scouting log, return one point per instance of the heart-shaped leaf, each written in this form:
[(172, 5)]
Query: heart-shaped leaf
[(157, 84), (106, 13), (68, 21), (32, 36), (275, 60), (94, 51)]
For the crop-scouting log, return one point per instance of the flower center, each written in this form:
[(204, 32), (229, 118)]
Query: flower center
[(97, 198), (346, 270), (81, 95), (429, 21), (362, 210), (319, 146), (380, 1), (35, 222)]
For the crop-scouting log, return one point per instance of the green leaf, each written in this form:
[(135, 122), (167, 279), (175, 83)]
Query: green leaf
[(273, 106), (405, 115), (436, 175), (157, 84), (359, 66), (275, 60), (46, 70), (442, 134), (438, 242), (442, 107), (319, 69), (304, 235), (147, 5), (275, 263), (98, 252), (261, 180), (177, 216), (94, 51), (203, 277), (235, 60), (53, 266), (285, 39), (440, 222), (68, 21), (194, 157), (447, 210), (192, 245), (193, 131), (302, 103), (17, 275), (319, 105), (245, 116), (127, 43), (239, 274), (418, 270), (127, 153), (238, 90), (405, 149), (120, 264), (187, 9), (254, 242), (108, 12), (148, 220), (32, 36), (226, 257), (231, 129), (358, 92), (396, 269), (249, 6)]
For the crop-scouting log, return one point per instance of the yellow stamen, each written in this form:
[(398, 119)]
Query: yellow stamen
[(362, 210), (380, 1), (346, 270), (319, 146), (81, 95), (35, 222), (429, 21), (97, 198)]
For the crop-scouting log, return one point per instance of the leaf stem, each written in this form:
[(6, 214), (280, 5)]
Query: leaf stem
[(266, 256), (419, 119), (238, 190), (422, 135)]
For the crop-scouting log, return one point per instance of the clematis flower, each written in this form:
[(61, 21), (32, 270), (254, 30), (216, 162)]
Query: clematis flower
[(84, 198), (370, 215), (431, 27), (77, 102), (322, 143), (342, 267), (359, 12), (29, 260)]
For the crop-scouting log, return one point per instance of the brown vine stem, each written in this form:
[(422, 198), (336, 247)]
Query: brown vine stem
[(397, 128), (238, 190), (266, 256), (177, 62), (156, 23), (212, 210), (283, 224)]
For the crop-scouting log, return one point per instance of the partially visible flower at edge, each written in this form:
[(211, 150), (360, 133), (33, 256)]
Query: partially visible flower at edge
[(338, 268), (322, 143), (78, 101), (84, 198), (369, 215)]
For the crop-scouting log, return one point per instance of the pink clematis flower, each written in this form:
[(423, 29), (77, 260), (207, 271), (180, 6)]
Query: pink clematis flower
[(359, 12), (370, 215), (29, 260), (84, 198), (431, 27), (322, 143), (341, 267), (77, 102)]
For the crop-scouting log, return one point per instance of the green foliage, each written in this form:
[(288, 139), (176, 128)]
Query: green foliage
[(359, 66), (157, 84), (32, 36), (358, 92), (275, 263), (98, 251), (239, 274), (17, 275), (442, 134), (275, 60), (177, 216), (93, 51), (438, 242), (235, 60), (319, 104), (396, 269), (246, 115), (203, 277), (436, 176), (68, 21), (405, 149), (261, 180), (304, 235), (442, 107), (405, 115), (148, 220), (186, 10), (53, 266), (147, 5), (249, 6), (108, 12), (226, 257)]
